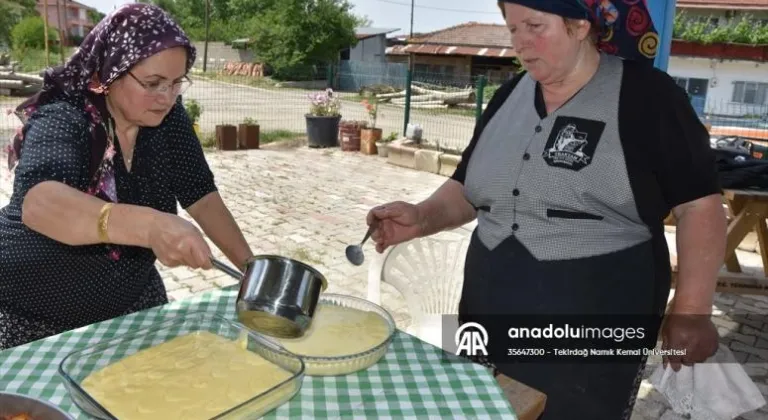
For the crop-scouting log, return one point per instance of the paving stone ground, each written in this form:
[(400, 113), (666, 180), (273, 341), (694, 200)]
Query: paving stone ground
[(309, 204)]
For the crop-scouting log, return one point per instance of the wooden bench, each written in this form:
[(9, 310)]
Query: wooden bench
[(737, 283), (746, 212), (527, 402)]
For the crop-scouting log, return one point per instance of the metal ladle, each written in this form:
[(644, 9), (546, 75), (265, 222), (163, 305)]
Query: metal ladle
[(355, 252)]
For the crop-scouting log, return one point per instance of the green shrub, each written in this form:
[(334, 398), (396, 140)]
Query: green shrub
[(29, 34)]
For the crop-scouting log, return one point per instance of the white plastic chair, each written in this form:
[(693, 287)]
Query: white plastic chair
[(429, 273)]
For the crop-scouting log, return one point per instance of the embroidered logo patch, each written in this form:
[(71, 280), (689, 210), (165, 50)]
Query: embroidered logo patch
[(572, 142)]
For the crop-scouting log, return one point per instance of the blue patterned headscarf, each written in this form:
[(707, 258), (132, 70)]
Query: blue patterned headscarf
[(625, 27)]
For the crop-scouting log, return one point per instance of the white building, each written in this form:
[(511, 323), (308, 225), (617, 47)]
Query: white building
[(723, 80)]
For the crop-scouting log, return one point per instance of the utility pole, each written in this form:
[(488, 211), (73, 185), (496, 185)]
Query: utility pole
[(207, 27), (412, 5), (45, 29), (408, 78)]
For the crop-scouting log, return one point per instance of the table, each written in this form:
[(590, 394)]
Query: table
[(413, 380), (748, 210)]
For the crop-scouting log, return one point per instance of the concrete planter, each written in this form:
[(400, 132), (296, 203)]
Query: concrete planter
[(408, 155), (400, 155)]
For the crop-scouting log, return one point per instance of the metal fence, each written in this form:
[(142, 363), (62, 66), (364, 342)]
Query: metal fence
[(446, 107)]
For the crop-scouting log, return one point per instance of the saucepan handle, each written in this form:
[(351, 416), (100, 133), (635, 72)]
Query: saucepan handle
[(226, 269)]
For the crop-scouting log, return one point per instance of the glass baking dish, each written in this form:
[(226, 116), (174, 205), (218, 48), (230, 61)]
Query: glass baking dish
[(353, 362), (78, 365)]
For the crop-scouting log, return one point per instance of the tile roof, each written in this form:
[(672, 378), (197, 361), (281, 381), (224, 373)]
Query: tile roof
[(472, 38), (449, 50), (724, 4), (468, 34)]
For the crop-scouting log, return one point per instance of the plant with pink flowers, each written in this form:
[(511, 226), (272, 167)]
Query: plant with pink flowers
[(324, 104)]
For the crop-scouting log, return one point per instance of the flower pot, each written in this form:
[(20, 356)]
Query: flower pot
[(226, 137), (323, 131), (196, 126), (248, 136), (349, 136), (368, 139), (381, 147)]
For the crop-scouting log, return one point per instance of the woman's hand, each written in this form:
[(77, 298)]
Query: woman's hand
[(690, 338), (176, 241), (397, 222)]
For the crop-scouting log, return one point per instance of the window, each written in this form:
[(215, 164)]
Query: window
[(693, 86), (752, 93)]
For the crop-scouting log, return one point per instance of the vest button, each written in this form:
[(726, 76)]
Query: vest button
[(515, 192), (526, 156), (538, 129), (515, 226)]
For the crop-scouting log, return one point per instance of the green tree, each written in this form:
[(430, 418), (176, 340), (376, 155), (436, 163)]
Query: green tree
[(300, 33), (249, 8), (29, 34), (11, 12)]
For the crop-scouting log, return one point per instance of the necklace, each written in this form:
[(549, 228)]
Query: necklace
[(111, 139)]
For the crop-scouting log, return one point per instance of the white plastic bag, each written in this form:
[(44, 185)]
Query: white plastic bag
[(718, 389)]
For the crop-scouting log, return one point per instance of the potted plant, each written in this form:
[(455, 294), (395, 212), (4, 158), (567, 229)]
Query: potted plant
[(194, 110), (382, 145), (370, 135), (323, 119), (248, 134)]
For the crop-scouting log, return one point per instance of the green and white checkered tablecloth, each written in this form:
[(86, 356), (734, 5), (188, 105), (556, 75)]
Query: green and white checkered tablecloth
[(412, 380)]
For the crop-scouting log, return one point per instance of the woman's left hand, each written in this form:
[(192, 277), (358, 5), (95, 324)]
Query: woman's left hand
[(689, 339)]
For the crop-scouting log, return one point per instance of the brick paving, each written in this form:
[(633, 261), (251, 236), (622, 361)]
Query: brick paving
[(309, 204)]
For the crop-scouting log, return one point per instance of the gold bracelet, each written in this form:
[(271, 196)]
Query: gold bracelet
[(104, 221)]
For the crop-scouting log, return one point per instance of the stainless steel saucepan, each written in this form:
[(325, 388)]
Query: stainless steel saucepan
[(278, 295)]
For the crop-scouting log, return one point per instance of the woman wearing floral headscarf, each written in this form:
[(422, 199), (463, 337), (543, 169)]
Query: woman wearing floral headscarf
[(105, 154), (570, 174)]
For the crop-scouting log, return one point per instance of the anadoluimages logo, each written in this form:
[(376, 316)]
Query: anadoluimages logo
[(471, 338)]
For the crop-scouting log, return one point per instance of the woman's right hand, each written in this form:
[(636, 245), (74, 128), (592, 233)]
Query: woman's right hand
[(176, 242), (398, 222)]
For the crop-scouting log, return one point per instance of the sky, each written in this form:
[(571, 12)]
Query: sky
[(429, 15)]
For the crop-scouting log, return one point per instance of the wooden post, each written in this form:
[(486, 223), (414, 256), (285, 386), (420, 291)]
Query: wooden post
[(45, 29), (61, 30)]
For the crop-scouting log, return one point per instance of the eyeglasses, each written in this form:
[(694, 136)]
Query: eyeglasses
[(157, 88)]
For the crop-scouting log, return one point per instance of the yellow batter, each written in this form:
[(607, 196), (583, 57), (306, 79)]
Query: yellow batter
[(196, 376), (339, 331)]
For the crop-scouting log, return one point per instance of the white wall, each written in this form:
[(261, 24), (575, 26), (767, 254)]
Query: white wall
[(721, 76)]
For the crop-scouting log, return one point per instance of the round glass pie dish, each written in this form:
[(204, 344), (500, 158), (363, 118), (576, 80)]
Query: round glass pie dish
[(354, 361)]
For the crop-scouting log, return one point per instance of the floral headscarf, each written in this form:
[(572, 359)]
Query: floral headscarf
[(625, 26), (128, 35)]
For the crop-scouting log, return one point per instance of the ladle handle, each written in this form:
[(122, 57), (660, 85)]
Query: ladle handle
[(227, 269)]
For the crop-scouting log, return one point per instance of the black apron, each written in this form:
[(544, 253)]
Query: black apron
[(509, 282)]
